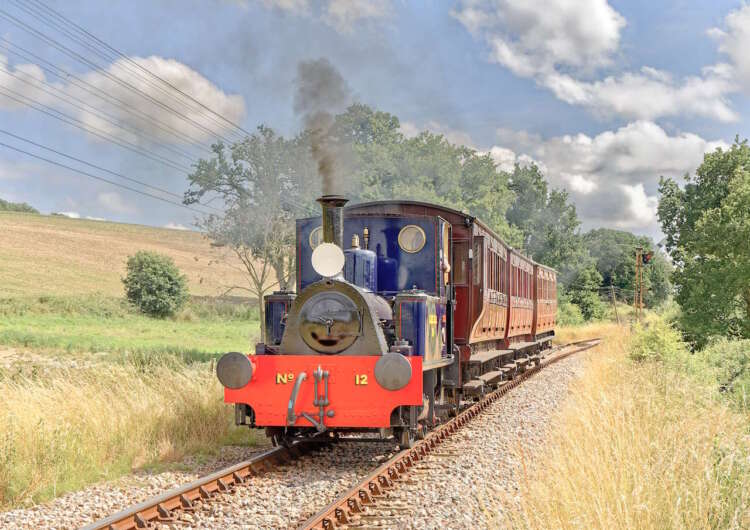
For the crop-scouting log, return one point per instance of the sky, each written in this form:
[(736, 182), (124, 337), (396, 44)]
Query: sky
[(605, 97)]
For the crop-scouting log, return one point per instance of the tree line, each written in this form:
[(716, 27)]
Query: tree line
[(267, 180)]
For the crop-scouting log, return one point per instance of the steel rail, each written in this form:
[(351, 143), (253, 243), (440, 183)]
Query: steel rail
[(367, 491), (162, 508)]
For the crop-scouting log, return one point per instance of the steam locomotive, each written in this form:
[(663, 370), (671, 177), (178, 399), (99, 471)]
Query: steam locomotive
[(426, 310)]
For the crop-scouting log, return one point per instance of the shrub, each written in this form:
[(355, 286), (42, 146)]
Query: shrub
[(154, 284), (657, 340), (568, 314), (727, 363)]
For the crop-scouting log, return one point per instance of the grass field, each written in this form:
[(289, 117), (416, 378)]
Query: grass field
[(55, 255), (104, 326), (64, 428), (640, 445)]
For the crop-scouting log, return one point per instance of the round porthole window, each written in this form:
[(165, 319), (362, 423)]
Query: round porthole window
[(316, 237), (411, 239)]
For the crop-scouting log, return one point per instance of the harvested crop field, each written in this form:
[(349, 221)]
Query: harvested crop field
[(55, 255)]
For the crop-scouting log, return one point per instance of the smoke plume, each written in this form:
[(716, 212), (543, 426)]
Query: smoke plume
[(321, 93)]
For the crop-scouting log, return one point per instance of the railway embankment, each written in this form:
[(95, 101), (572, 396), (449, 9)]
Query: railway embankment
[(649, 438)]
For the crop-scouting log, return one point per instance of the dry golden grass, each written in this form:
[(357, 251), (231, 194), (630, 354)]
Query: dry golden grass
[(54, 255), (64, 428), (639, 446)]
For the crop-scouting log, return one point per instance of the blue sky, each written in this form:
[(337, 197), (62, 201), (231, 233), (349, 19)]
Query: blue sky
[(605, 97)]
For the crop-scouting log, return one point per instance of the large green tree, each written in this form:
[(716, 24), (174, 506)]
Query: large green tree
[(426, 167), (264, 182), (548, 221), (707, 228)]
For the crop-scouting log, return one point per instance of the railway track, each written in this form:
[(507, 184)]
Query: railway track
[(163, 508), (348, 507)]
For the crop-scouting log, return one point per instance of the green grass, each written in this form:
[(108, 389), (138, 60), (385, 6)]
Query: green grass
[(105, 325)]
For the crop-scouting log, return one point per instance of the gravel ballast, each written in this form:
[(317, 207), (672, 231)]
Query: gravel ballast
[(471, 481)]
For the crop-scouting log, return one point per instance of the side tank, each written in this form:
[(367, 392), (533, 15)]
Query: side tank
[(277, 306), (419, 321)]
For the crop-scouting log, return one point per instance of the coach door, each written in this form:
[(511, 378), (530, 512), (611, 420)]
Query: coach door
[(461, 284)]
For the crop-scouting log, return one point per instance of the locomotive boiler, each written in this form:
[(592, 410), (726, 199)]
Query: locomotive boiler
[(403, 311)]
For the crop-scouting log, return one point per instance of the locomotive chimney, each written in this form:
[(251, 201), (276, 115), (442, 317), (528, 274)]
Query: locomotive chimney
[(333, 218)]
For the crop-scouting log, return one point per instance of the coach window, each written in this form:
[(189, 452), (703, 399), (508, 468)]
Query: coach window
[(478, 252), (460, 262), (503, 281)]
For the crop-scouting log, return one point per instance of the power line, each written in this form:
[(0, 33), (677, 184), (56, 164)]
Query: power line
[(90, 175), (117, 53), (128, 86), (73, 79), (115, 173), (63, 96), (130, 146)]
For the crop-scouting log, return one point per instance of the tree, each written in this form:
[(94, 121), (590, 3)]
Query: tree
[(6, 206), (154, 284), (548, 222), (584, 292), (264, 182), (614, 255), (707, 228)]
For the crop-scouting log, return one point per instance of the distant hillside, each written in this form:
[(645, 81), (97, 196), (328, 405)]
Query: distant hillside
[(6, 206), (42, 254)]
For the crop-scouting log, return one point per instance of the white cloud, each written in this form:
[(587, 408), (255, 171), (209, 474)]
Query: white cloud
[(612, 176), (294, 6), (176, 226), (114, 202), (641, 206), (734, 41), (581, 184), (561, 44), (651, 94), (342, 15), (454, 136), (88, 217), (72, 215), (538, 37), (183, 116), (504, 158)]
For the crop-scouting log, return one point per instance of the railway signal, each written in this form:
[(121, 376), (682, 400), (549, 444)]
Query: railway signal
[(641, 258)]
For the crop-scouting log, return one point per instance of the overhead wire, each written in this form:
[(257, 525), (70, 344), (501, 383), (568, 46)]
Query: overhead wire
[(55, 92), (109, 75), (65, 118), (104, 96), (95, 91), (100, 168), (97, 177), (111, 53)]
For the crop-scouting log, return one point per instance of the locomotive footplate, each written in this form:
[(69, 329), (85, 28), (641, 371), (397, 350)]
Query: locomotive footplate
[(323, 392)]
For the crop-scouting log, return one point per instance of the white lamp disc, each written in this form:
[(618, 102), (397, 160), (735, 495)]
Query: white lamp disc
[(328, 259)]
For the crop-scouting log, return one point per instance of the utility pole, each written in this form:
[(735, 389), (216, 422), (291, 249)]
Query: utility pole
[(614, 302), (638, 284)]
